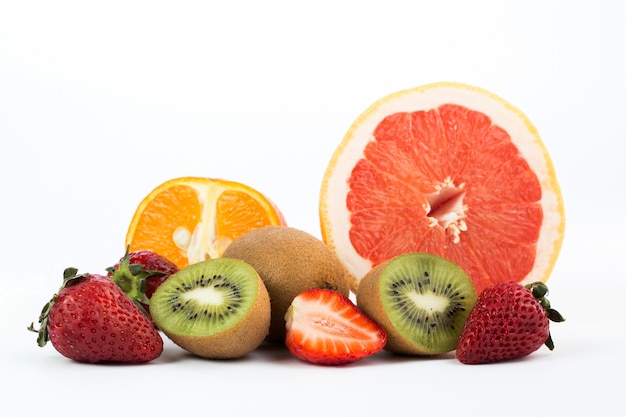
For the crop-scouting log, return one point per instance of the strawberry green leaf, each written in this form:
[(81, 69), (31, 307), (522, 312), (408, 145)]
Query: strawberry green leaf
[(554, 315), (69, 274)]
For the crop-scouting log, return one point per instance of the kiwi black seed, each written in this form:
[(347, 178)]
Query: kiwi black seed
[(218, 308), (289, 262), (422, 301)]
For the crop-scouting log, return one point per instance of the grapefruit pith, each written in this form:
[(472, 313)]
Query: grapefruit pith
[(448, 169)]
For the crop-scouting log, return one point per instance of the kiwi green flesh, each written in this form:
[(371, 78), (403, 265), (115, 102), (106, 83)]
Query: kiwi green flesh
[(205, 298), (428, 299)]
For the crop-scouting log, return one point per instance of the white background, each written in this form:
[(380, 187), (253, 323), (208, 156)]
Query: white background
[(102, 101)]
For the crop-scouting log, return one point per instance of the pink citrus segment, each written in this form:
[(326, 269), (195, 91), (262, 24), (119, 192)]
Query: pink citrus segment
[(447, 169)]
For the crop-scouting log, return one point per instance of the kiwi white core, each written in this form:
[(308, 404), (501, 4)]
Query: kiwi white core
[(430, 302), (204, 296)]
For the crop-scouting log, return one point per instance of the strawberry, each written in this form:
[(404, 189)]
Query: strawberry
[(140, 273), (325, 327), (508, 321), (91, 320)]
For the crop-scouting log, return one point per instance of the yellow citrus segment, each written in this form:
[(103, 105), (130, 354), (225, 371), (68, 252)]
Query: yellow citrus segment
[(191, 219), (448, 169)]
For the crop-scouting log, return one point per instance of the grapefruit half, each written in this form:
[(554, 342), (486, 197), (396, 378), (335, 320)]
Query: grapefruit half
[(449, 169)]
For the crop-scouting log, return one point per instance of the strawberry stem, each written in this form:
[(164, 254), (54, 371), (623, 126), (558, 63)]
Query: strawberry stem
[(539, 291), (69, 275), (132, 279)]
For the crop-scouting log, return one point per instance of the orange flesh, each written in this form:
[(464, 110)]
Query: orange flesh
[(449, 182), (174, 208), (196, 219), (238, 213)]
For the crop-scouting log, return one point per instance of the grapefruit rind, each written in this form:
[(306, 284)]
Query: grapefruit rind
[(334, 214)]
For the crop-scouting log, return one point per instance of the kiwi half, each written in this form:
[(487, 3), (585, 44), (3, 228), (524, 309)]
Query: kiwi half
[(421, 300), (289, 262), (218, 308)]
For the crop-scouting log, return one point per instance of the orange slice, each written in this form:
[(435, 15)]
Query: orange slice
[(449, 169), (192, 219)]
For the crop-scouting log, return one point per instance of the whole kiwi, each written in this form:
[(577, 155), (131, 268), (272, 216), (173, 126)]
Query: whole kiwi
[(289, 262), (421, 300), (217, 309)]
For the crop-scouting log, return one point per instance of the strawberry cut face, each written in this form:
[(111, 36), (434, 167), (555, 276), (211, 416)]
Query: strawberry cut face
[(324, 327)]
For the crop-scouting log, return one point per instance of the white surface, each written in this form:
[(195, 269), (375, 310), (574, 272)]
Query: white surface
[(101, 103)]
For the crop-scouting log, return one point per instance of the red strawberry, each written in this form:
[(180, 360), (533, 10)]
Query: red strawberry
[(325, 327), (140, 273), (91, 320), (508, 321)]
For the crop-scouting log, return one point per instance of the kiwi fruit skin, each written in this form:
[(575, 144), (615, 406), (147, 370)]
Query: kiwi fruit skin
[(289, 261), (369, 298), (243, 337)]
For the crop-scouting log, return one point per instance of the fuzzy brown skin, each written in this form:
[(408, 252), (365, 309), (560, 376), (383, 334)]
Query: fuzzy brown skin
[(237, 341), (289, 262), (369, 301)]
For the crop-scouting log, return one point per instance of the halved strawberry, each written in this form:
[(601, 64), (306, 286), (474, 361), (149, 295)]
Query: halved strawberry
[(325, 327)]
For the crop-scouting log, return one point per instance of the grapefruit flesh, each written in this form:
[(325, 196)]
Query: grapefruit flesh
[(448, 169)]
